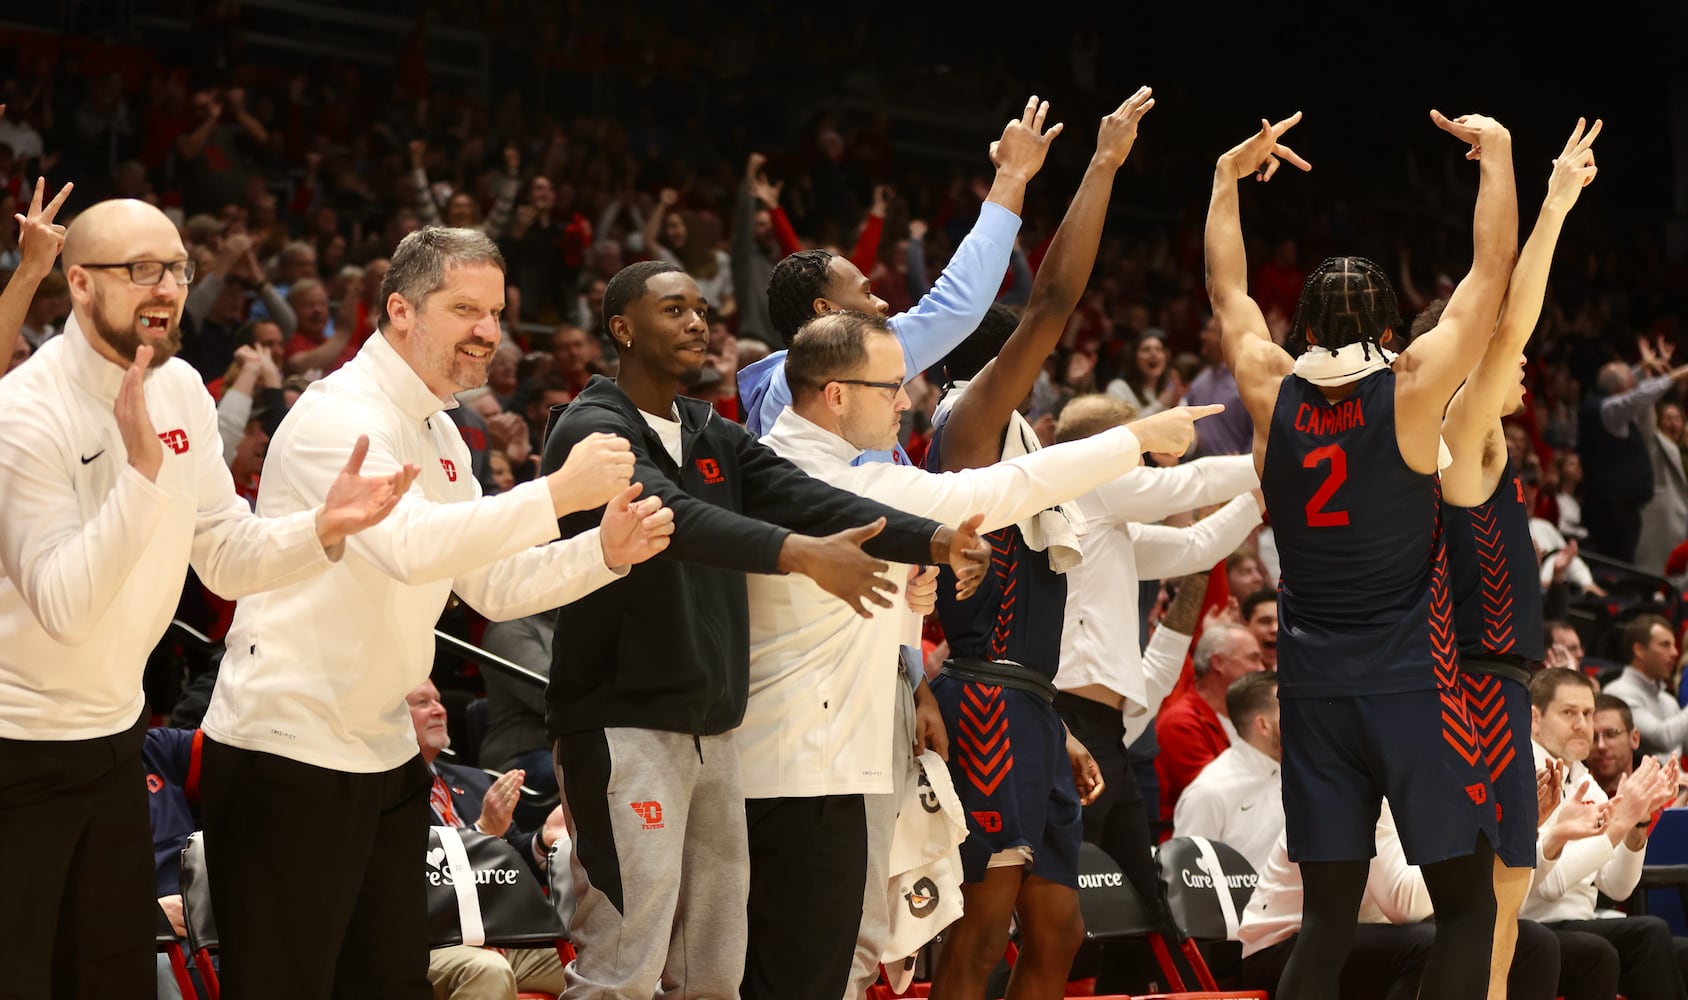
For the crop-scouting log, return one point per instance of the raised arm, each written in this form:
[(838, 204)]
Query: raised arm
[(973, 435), (1434, 365), (39, 242), (949, 312), (665, 202), (1258, 362), (1474, 415)]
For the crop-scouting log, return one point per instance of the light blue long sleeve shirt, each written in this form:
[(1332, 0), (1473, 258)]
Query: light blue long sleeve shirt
[(938, 323)]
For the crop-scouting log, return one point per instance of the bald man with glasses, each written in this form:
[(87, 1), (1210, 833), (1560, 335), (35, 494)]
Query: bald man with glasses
[(112, 483)]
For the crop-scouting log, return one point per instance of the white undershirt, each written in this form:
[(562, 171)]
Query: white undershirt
[(667, 430)]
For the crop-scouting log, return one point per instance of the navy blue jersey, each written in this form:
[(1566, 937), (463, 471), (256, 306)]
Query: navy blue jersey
[(1019, 609), (1494, 575), (1358, 544)]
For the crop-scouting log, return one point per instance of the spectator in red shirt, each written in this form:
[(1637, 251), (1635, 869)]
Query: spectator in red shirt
[(1277, 282), (1192, 729)]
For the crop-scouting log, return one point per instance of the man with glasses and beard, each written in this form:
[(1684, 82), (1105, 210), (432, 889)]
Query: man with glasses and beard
[(111, 483)]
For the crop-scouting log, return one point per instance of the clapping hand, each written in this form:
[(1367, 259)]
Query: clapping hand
[(499, 804)]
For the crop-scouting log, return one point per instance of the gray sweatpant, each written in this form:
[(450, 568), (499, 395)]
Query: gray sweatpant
[(881, 823), (659, 861)]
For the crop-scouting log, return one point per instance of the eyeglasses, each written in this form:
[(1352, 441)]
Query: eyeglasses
[(1611, 735), (151, 272), (891, 387)]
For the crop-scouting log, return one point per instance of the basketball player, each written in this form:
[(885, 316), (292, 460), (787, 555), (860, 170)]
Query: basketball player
[(1492, 569), (1347, 444)]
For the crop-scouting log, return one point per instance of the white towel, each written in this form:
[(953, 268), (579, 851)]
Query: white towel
[(925, 882), (1055, 530), (1351, 363)]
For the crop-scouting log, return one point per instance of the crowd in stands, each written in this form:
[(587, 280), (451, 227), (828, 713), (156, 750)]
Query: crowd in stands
[(292, 188)]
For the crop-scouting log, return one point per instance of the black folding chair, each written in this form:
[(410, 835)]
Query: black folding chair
[(196, 912), (165, 936), (508, 904), (1206, 886)]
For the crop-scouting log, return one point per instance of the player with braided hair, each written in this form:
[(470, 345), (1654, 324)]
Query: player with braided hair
[(1348, 298), (1347, 441)]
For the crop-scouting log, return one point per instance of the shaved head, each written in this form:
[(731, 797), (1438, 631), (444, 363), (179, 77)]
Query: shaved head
[(119, 230), (117, 315)]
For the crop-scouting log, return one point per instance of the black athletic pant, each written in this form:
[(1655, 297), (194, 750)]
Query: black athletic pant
[(1118, 823), (1647, 964), (316, 877), (1387, 962), (808, 870), (807, 874), (77, 912), (1457, 965)]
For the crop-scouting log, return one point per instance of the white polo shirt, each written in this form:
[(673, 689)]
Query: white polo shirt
[(822, 678), (1395, 891), (95, 555), (1238, 799), (1564, 888), (318, 671)]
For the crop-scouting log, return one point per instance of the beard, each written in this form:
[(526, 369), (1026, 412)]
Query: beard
[(125, 337)]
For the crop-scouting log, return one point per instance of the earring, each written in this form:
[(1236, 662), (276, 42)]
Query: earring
[(628, 343)]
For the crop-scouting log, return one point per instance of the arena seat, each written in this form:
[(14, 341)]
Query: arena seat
[(196, 912), (165, 936), (1206, 885), (508, 902), (509, 905)]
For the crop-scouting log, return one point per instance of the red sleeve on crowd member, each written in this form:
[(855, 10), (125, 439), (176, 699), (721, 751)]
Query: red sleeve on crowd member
[(867, 244), (783, 233), (1035, 258), (728, 407), (1677, 563), (190, 787), (303, 195), (577, 238)]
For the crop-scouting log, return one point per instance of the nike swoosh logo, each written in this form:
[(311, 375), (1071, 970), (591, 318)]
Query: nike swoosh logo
[(1248, 807), (89, 458)]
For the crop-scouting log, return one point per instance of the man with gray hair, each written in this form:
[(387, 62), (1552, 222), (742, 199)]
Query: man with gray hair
[(1194, 727), (1613, 429), (315, 798)]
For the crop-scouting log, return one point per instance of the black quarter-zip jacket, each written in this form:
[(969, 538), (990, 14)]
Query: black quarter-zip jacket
[(667, 646)]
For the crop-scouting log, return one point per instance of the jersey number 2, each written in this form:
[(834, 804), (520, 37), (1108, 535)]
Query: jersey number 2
[(1317, 515)]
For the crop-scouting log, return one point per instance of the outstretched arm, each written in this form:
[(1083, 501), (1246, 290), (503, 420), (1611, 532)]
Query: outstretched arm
[(973, 436), (1436, 363), (1250, 352), (1483, 400)]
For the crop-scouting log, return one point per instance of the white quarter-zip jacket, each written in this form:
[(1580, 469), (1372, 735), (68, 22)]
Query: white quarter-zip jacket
[(823, 678), (318, 671), (1099, 638), (95, 555)]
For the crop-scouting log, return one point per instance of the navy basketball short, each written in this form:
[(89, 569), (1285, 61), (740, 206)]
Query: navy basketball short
[(1342, 756), (1008, 763), (1499, 707)]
